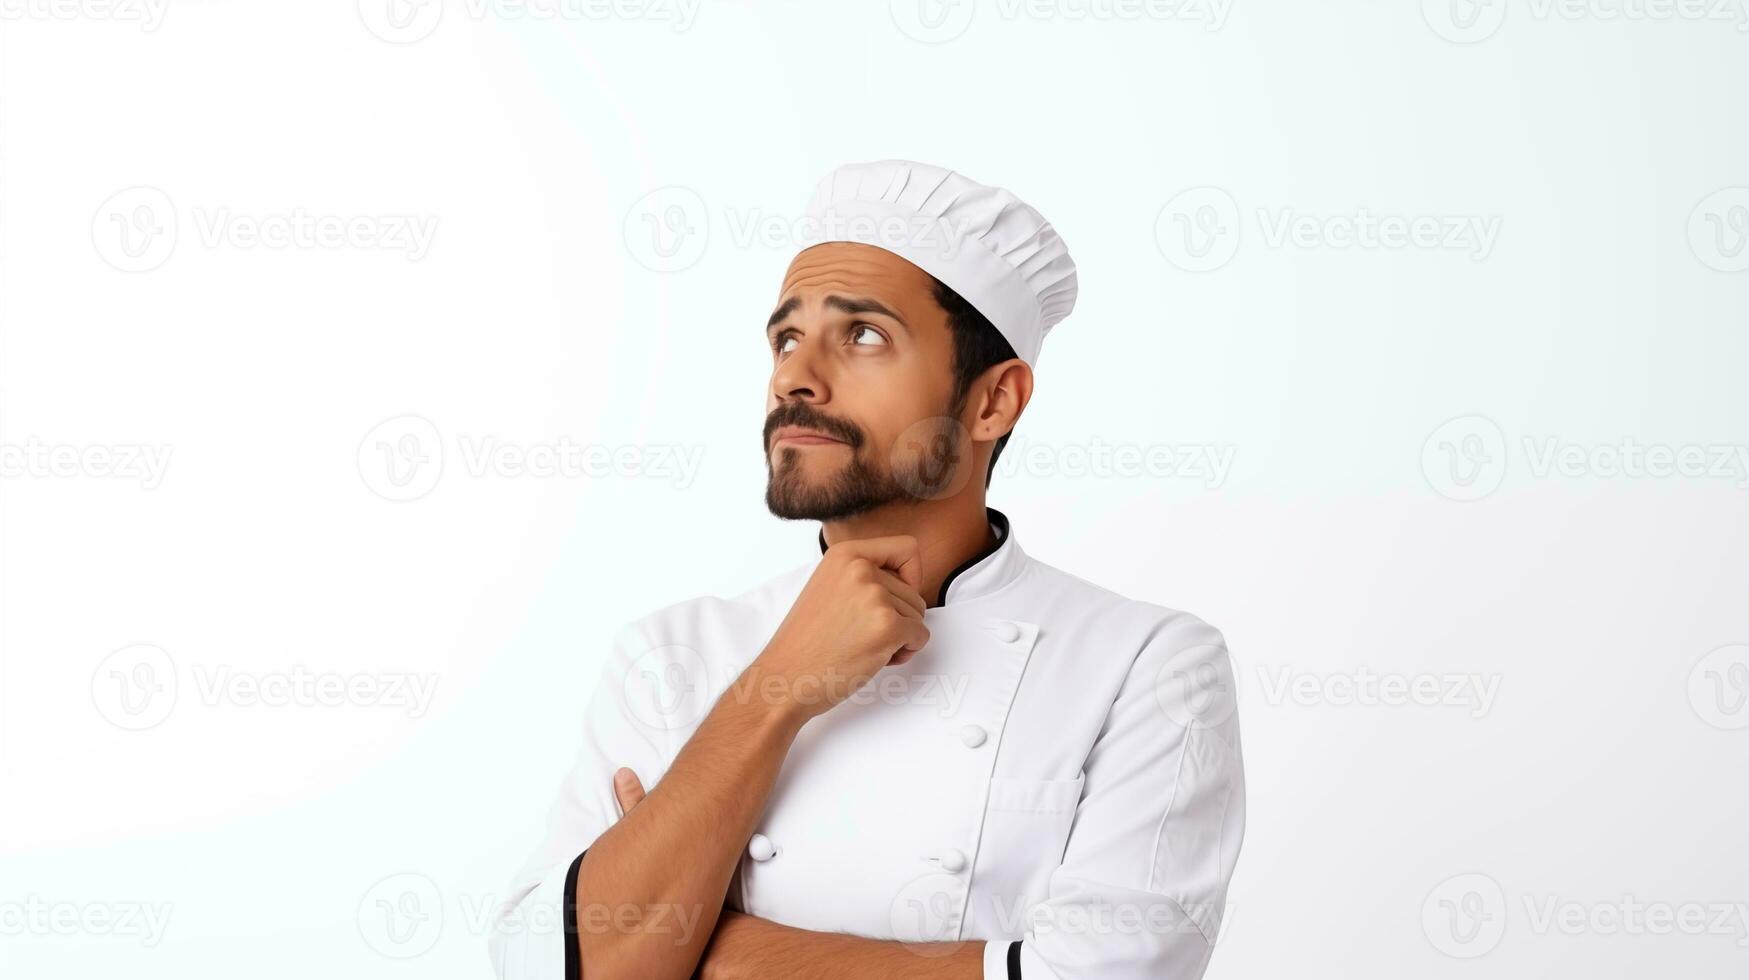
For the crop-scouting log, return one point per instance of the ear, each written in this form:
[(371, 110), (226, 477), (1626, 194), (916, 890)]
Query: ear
[(999, 396)]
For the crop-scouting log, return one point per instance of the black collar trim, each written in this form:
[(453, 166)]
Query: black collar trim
[(998, 523)]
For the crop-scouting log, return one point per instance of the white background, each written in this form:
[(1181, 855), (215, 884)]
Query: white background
[(610, 199)]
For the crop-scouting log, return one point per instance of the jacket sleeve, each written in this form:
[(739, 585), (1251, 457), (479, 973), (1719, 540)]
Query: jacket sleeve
[(625, 724), (1143, 883)]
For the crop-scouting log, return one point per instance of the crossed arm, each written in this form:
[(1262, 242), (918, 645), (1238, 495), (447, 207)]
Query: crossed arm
[(676, 849), (746, 947)]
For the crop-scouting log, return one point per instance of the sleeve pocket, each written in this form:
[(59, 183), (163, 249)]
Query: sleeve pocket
[(1199, 836)]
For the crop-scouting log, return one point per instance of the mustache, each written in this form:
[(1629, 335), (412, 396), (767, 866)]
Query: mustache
[(808, 417)]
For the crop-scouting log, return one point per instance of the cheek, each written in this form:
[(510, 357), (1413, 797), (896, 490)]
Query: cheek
[(909, 423)]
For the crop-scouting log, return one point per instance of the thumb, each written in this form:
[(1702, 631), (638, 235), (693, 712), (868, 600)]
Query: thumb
[(627, 789)]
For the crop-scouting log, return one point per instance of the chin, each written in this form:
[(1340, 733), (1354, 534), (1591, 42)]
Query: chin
[(795, 496)]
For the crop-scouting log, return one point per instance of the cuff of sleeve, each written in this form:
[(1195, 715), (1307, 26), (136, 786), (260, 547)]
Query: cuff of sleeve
[(523, 942), (1002, 959), (573, 956)]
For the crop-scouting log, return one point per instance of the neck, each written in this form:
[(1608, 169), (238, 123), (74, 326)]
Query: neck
[(948, 531)]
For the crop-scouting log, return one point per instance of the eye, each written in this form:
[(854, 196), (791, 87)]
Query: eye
[(784, 342), (861, 330)]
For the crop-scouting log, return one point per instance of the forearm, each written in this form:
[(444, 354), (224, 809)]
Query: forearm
[(749, 948), (657, 878)]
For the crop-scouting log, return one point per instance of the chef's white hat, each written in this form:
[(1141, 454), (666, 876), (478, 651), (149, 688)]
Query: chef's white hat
[(986, 244)]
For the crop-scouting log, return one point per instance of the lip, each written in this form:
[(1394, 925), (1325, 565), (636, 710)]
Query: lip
[(797, 436)]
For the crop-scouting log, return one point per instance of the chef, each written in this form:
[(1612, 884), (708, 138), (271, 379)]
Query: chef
[(921, 752)]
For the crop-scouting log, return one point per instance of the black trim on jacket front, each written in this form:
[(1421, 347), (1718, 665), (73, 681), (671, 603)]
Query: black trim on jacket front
[(998, 522)]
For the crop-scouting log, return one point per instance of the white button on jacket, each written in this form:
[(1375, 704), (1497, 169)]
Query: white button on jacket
[(1092, 812)]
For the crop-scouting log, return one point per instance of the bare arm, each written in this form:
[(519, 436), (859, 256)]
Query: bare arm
[(663, 870), (750, 948), (659, 875), (746, 947)]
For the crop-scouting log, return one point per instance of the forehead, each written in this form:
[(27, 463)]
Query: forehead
[(854, 269)]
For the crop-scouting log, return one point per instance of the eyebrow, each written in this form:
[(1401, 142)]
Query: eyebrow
[(843, 304)]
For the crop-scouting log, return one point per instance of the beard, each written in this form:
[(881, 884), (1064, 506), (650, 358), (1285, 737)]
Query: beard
[(859, 485), (855, 488)]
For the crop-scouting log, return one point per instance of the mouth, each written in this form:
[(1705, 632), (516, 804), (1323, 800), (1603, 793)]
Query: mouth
[(792, 435)]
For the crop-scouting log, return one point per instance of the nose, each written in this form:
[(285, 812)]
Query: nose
[(797, 377)]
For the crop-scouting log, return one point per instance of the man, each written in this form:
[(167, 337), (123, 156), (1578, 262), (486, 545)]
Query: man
[(922, 753)]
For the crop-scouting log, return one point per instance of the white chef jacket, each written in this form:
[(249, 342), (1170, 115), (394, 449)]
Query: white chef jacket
[(1057, 773)]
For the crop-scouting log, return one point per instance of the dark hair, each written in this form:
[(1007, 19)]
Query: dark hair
[(977, 346)]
